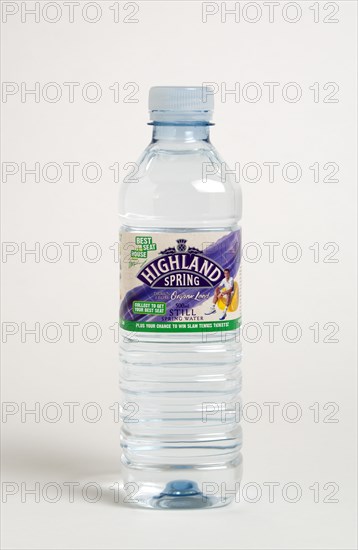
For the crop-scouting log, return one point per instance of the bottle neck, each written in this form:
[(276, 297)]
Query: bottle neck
[(181, 132)]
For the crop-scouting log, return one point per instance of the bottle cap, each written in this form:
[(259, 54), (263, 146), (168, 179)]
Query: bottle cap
[(181, 103)]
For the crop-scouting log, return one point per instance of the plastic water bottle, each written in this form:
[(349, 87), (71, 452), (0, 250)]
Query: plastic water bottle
[(180, 312)]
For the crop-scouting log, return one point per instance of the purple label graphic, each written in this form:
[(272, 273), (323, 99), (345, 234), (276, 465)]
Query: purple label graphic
[(187, 269)]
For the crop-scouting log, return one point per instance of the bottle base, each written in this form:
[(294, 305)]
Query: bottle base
[(182, 494), (166, 490)]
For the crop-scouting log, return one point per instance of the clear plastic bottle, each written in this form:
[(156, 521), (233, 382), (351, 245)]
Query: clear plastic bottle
[(180, 312)]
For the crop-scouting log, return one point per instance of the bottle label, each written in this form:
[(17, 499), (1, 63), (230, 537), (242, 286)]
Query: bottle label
[(180, 282)]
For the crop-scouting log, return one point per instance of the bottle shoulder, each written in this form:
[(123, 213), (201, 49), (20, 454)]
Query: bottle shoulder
[(185, 182)]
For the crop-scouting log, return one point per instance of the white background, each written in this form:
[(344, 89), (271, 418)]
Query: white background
[(171, 45)]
